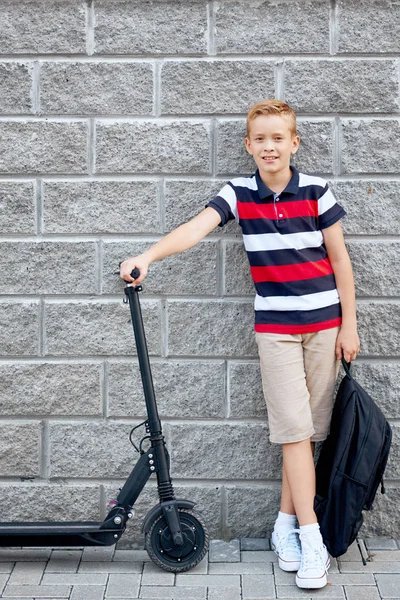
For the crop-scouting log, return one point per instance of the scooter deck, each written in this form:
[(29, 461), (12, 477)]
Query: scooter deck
[(62, 533)]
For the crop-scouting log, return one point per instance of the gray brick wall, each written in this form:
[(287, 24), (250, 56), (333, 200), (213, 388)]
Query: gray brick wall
[(119, 120)]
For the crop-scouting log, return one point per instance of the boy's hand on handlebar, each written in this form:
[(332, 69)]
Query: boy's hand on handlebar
[(127, 266)]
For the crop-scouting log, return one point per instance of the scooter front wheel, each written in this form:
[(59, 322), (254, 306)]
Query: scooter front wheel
[(164, 553)]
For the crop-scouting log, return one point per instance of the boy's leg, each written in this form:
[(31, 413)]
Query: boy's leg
[(298, 465), (287, 505)]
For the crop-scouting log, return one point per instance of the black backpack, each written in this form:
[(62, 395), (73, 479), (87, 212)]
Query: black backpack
[(351, 464)]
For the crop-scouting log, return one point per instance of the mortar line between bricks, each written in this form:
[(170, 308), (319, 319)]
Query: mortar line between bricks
[(203, 299), (161, 195), (152, 238), (280, 80), (45, 451), (41, 344), (227, 390), (211, 22), (180, 117), (202, 57), (36, 87), (90, 360), (214, 147), (337, 146), (104, 387), (333, 27), (157, 89), (38, 199), (91, 147), (152, 177), (89, 26)]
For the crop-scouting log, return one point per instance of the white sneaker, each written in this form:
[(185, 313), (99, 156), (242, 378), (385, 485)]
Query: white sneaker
[(315, 562), (286, 544)]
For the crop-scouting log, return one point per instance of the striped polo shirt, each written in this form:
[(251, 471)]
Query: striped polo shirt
[(295, 285)]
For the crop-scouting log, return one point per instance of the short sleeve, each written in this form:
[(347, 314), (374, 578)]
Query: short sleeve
[(225, 204), (329, 211)]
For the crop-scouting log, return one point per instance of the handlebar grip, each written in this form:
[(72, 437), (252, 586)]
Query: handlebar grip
[(135, 273)]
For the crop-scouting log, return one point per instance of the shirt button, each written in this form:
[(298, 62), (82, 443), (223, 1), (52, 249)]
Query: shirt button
[(281, 216), (277, 199)]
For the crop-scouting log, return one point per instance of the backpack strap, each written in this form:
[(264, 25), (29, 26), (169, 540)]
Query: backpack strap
[(346, 367)]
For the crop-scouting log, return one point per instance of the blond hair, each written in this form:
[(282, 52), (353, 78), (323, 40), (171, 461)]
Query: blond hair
[(271, 107)]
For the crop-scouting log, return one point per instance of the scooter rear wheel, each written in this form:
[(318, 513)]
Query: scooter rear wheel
[(162, 550)]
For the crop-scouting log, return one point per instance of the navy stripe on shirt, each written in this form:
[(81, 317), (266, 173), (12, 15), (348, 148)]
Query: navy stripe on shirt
[(296, 288)]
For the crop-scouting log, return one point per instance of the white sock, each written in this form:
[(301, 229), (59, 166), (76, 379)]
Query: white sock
[(311, 533), (285, 520)]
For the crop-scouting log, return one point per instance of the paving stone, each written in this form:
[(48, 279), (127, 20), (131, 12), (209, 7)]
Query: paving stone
[(123, 586), (240, 568), (63, 565), (200, 569), (27, 573), (380, 543), (6, 567), (370, 567), (352, 554), (153, 575), (254, 544), (157, 592), (361, 592), (292, 591), (385, 555), (131, 555), (110, 567), (221, 551), (208, 580), (26, 554), (86, 592), (224, 593), (258, 587), (351, 579), (388, 585), (74, 579), (37, 591), (257, 556), (191, 593), (98, 554)]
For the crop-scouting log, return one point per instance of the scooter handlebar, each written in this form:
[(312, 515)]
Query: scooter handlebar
[(135, 273)]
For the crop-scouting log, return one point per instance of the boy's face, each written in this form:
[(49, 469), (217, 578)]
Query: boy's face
[(271, 143)]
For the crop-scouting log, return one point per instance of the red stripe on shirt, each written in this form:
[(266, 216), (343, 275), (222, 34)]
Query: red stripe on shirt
[(288, 210), (296, 272), (293, 329)]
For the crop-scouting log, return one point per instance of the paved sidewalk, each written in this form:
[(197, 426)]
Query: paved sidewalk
[(239, 570)]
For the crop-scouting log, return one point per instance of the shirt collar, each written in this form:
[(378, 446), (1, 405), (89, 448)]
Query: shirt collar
[(291, 188)]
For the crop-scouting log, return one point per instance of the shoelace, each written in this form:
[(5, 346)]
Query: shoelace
[(312, 558), (288, 540)]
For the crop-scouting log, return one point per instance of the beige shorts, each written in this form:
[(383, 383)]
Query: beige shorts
[(298, 375)]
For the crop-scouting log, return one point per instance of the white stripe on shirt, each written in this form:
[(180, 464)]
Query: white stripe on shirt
[(276, 241), (306, 302)]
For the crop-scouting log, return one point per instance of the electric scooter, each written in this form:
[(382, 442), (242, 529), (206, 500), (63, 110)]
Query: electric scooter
[(175, 536)]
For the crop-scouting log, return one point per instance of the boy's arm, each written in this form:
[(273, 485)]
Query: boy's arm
[(182, 238), (347, 342)]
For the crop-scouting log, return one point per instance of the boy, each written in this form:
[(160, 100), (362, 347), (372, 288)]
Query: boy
[(305, 316)]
